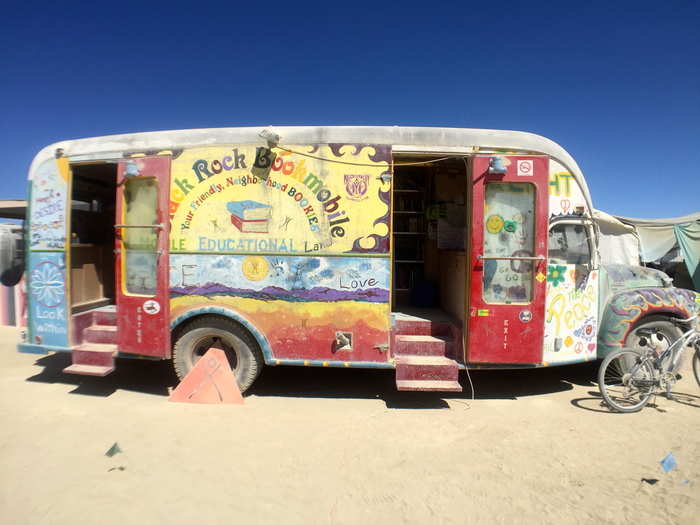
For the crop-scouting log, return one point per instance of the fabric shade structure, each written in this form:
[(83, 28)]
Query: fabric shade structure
[(617, 242), (660, 237)]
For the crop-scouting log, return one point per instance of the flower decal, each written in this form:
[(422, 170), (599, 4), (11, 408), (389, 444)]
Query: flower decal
[(47, 284), (510, 226), (556, 274)]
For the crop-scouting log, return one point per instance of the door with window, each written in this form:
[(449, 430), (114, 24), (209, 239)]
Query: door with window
[(141, 231), (509, 245)]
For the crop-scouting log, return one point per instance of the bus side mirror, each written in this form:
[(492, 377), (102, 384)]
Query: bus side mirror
[(11, 254)]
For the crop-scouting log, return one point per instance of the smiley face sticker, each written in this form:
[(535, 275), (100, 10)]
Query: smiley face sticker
[(494, 224)]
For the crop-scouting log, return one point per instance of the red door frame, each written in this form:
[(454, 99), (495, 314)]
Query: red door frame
[(143, 321), (508, 333)]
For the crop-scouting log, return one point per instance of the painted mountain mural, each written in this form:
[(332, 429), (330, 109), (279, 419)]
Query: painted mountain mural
[(275, 293)]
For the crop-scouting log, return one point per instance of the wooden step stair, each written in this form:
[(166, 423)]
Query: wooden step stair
[(88, 370), (96, 342), (92, 359), (100, 334), (420, 350), (420, 345), (429, 386)]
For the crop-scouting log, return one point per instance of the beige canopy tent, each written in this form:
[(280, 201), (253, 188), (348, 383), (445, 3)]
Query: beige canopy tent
[(672, 245), (617, 242)]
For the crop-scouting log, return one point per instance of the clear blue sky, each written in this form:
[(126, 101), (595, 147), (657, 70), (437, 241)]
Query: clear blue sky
[(616, 83)]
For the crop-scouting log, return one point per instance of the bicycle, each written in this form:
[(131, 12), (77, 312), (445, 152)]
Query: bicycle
[(628, 377)]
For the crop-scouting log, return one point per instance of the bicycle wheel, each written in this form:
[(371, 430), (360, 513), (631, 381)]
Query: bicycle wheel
[(663, 331), (626, 380), (696, 363)]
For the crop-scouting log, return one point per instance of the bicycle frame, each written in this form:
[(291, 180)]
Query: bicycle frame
[(635, 375), (675, 350)]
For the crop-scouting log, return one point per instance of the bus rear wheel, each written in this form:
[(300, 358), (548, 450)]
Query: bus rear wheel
[(204, 333)]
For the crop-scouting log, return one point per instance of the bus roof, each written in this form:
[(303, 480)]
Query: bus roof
[(403, 140)]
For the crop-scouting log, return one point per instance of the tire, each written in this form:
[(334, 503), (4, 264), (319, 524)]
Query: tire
[(665, 333), (696, 362), (241, 350), (626, 380)]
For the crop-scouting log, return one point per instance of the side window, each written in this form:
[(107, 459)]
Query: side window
[(569, 244)]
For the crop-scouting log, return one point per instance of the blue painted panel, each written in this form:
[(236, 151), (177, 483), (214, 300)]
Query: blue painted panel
[(47, 220), (294, 279), (48, 309)]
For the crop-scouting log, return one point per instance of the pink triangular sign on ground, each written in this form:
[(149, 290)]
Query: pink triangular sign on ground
[(210, 381)]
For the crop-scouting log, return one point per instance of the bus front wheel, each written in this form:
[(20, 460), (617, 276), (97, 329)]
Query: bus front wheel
[(204, 333), (654, 330)]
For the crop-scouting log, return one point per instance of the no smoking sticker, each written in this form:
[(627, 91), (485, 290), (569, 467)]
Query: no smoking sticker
[(151, 307), (526, 168)]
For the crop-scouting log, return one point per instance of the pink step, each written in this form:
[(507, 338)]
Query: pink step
[(105, 317), (411, 327), (426, 368), (100, 334), (429, 386), (416, 326), (93, 355), (419, 345), (89, 370)]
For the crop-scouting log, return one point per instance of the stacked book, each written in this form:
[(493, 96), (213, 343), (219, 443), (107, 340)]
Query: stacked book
[(250, 216)]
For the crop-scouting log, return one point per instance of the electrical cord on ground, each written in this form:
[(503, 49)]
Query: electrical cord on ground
[(471, 385)]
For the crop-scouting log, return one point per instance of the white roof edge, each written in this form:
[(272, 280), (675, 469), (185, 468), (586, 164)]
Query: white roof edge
[(433, 138)]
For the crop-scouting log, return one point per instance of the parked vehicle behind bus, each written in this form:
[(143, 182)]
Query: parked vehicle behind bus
[(423, 250)]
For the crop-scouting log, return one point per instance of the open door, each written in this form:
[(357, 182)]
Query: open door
[(142, 229), (509, 245)]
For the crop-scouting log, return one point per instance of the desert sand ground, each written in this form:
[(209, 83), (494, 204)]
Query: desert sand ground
[(337, 446)]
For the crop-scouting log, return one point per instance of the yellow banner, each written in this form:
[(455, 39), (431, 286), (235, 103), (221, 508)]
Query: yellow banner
[(329, 199)]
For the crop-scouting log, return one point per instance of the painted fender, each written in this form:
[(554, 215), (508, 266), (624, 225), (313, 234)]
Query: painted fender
[(231, 314), (625, 308)]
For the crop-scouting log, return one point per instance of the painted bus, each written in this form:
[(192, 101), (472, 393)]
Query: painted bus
[(421, 250)]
